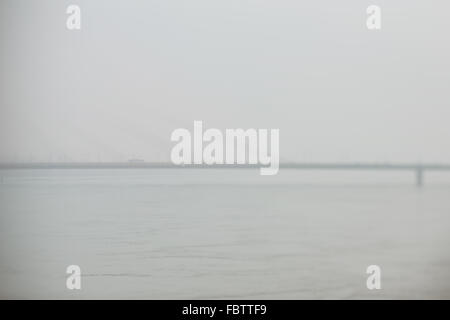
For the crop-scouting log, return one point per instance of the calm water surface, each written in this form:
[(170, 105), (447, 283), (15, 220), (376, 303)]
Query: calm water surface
[(211, 234)]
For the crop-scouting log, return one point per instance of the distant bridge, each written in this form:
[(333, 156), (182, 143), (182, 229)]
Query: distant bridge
[(418, 169)]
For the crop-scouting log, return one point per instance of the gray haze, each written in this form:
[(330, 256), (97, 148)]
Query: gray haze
[(116, 89), (137, 70)]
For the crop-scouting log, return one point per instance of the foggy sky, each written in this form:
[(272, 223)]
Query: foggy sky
[(137, 70)]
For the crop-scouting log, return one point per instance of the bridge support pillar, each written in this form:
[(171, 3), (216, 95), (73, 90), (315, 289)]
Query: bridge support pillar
[(419, 177)]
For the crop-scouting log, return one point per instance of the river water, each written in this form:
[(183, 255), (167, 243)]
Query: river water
[(213, 234)]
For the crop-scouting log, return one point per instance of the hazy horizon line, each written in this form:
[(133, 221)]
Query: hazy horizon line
[(286, 165)]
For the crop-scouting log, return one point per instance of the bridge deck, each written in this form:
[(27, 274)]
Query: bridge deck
[(153, 165)]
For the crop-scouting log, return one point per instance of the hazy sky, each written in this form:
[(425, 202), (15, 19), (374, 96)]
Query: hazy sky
[(137, 70)]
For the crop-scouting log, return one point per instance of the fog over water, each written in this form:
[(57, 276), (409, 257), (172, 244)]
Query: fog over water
[(116, 90), (137, 70)]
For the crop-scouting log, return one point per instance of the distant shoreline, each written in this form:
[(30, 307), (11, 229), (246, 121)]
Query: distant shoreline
[(168, 165)]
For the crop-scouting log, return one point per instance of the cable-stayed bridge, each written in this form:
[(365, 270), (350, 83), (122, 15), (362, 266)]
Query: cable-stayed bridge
[(417, 168)]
